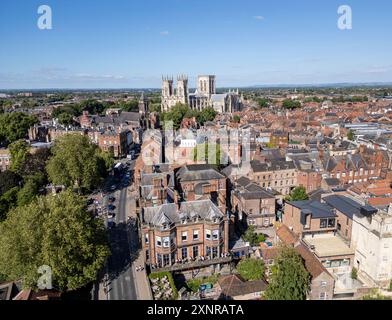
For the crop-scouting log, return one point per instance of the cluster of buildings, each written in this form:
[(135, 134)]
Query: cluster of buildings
[(193, 213)]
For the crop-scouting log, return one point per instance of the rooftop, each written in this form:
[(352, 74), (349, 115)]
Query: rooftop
[(328, 245)]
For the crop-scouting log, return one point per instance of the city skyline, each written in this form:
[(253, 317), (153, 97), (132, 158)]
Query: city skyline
[(130, 44)]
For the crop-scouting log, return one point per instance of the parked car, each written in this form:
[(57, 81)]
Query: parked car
[(113, 187), (111, 207), (112, 199)]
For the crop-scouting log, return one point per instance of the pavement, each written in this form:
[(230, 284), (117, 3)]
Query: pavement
[(122, 280)]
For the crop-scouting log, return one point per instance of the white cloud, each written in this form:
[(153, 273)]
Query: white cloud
[(259, 17), (164, 33)]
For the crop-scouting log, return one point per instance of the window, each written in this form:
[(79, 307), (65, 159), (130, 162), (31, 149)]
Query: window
[(208, 251), (208, 234), (158, 241), (166, 260), (166, 242), (323, 296), (323, 283), (323, 223), (159, 259), (195, 251), (331, 223), (214, 252), (184, 253), (195, 235), (215, 235), (184, 236), (147, 255), (146, 238)]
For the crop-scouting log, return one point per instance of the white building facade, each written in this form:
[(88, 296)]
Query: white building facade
[(372, 240)]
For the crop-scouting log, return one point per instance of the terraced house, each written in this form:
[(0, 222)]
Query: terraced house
[(184, 231)]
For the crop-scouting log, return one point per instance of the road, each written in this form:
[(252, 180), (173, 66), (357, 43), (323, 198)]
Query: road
[(124, 243)]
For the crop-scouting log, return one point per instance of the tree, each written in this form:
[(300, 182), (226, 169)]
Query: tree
[(205, 115), (251, 269), (36, 162), (19, 151), (129, 106), (208, 152), (252, 237), (56, 231), (350, 135), (92, 106), (14, 126), (77, 163), (289, 280), (8, 201), (298, 194), (263, 102), (176, 114), (9, 180), (236, 119), (65, 119), (31, 189), (291, 104)]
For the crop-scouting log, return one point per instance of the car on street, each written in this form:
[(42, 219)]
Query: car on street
[(111, 207), (113, 187)]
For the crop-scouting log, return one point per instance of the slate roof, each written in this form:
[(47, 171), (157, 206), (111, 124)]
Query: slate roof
[(317, 209), (258, 166), (247, 189), (198, 172), (169, 213), (345, 205), (348, 206), (234, 285)]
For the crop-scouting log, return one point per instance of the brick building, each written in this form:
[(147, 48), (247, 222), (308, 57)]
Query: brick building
[(184, 231)]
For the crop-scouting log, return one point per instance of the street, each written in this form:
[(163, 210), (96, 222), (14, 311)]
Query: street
[(124, 242)]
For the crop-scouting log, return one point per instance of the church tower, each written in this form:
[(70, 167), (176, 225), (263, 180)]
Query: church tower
[(206, 85), (182, 89), (167, 92)]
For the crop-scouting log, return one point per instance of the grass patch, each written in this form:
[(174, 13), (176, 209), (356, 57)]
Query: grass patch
[(194, 284)]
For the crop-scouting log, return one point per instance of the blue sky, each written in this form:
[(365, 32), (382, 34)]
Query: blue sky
[(130, 44)]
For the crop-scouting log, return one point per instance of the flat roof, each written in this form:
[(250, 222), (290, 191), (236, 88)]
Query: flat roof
[(328, 246)]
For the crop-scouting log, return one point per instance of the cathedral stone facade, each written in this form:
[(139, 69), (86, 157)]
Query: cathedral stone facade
[(204, 96)]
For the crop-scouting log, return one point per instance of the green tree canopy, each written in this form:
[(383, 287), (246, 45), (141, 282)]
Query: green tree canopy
[(176, 114), (291, 104), (9, 180), (14, 126), (31, 188), (251, 269), (252, 237), (8, 201), (263, 102), (76, 163), (35, 163), (19, 151), (236, 119), (289, 280), (129, 106), (205, 115), (65, 119), (56, 231), (298, 194)]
